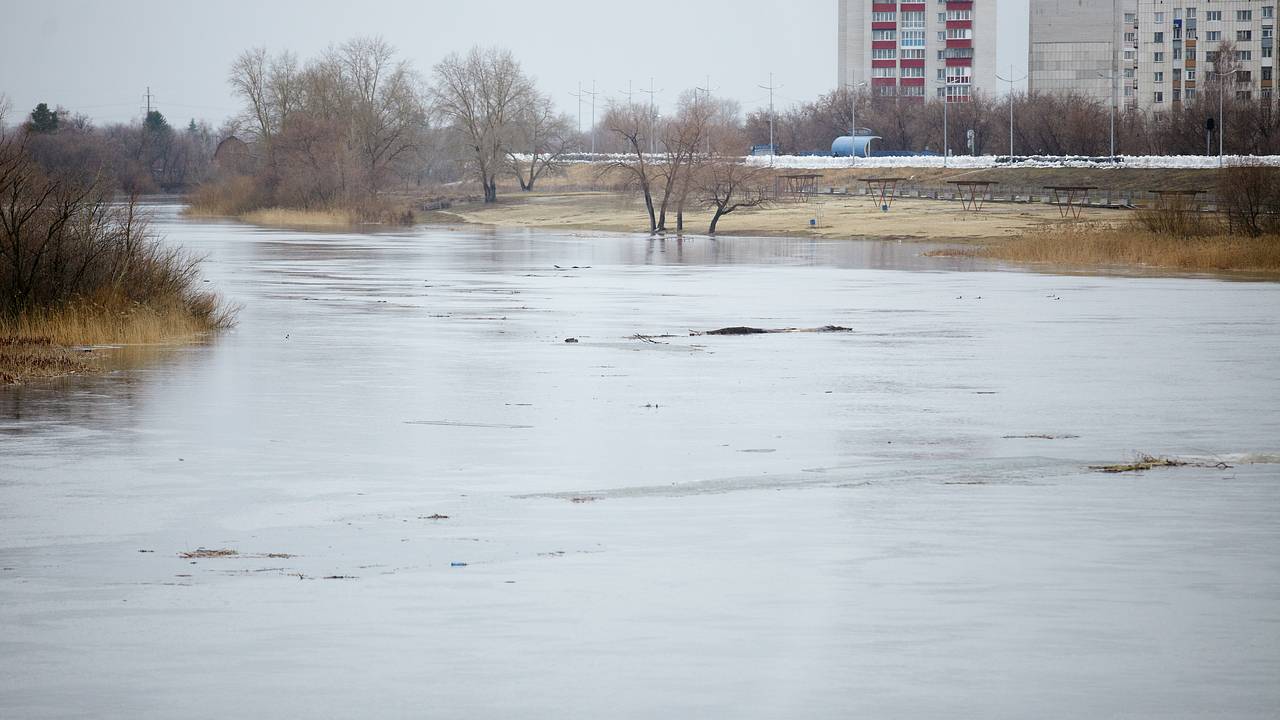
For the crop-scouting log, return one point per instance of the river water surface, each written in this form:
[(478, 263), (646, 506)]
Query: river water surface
[(897, 521)]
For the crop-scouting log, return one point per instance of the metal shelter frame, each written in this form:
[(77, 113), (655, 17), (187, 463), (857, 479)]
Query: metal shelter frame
[(973, 193), (882, 190), (1070, 199)]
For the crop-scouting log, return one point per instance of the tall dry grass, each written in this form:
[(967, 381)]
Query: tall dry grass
[(77, 267), (1087, 245), (253, 199)]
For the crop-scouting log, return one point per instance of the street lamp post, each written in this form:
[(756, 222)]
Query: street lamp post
[(1222, 123), (1112, 77), (1011, 80), (853, 122)]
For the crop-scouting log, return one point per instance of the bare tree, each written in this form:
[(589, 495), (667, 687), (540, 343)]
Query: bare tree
[(682, 138), (539, 139), (481, 94), (632, 124), (5, 106), (727, 184)]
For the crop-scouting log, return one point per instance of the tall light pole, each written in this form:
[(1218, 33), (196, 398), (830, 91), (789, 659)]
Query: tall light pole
[(1222, 124), (1112, 77), (946, 139), (593, 94), (770, 87), (1011, 80), (853, 122), (653, 116)]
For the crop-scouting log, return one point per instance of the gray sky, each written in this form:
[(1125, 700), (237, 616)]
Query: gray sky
[(99, 57)]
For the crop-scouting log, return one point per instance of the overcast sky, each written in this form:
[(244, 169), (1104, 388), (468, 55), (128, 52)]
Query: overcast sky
[(99, 57)]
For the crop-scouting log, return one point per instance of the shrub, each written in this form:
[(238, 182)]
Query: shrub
[(73, 257), (1249, 198)]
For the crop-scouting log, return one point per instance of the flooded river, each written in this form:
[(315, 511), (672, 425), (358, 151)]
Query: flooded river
[(896, 521)]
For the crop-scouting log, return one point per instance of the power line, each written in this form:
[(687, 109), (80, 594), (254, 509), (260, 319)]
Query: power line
[(653, 117)]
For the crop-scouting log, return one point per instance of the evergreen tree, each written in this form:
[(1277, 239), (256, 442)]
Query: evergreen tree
[(43, 120)]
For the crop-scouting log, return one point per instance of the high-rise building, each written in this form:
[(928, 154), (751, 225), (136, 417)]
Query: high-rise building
[(939, 49), (1084, 46), (1188, 47)]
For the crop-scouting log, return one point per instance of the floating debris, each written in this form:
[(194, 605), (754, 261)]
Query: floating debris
[(436, 516), (204, 553), (1041, 437), (1142, 463), (571, 340), (744, 330)]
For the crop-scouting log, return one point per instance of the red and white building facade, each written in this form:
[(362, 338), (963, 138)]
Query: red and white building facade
[(914, 50)]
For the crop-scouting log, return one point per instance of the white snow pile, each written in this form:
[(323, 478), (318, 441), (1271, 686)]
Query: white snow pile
[(821, 162)]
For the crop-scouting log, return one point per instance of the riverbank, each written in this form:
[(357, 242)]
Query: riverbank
[(825, 216)]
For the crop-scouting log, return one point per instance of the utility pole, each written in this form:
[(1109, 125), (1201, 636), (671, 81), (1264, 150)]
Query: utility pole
[(593, 94), (653, 117), (578, 95), (770, 87), (707, 90), (1011, 80), (149, 100), (628, 93)]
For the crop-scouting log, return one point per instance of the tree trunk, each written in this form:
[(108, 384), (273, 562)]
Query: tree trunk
[(715, 219)]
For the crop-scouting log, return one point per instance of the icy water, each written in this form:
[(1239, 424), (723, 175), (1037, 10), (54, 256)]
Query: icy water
[(786, 525)]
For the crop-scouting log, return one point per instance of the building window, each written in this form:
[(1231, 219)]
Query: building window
[(942, 17), (1191, 76), (884, 35), (912, 38), (942, 36), (884, 16), (1159, 97), (1191, 33), (1159, 18), (1266, 52), (1268, 32), (1211, 56), (1177, 53), (1266, 73), (886, 90), (884, 54), (1268, 11), (1191, 13), (942, 74), (1190, 94), (884, 72), (911, 54), (912, 91), (1244, 35), (1244, 16), (959, 14), (1131, 37), (913, 20), (1244, 55), (1157, 57), (959, 33), (1128, 73), (1157, 37), (917, 72), (1213, 35), (1158, 77), (1130, 18), (1212, 15), (1177, 95), (1244, 94)]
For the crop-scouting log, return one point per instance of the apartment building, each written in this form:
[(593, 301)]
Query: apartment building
[(939, 48), (1179, 48), (1084, 46)]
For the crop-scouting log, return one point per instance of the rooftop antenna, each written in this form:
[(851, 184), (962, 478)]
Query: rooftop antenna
[(770, 87)]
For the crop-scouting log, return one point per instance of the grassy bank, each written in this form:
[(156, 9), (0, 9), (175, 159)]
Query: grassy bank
[(249, 199), (82, 268), (1091, 246)]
